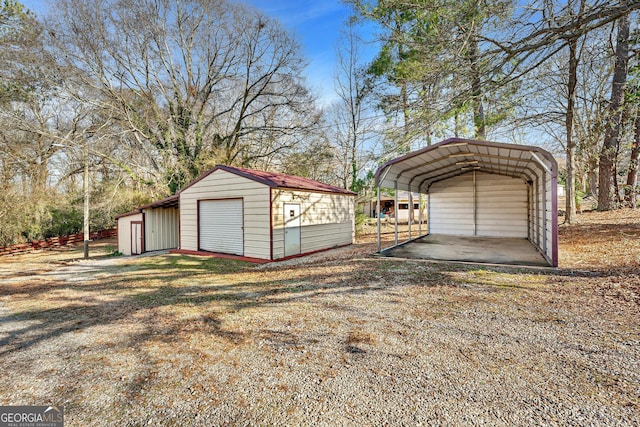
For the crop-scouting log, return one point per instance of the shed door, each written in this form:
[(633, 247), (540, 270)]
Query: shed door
[(221, 226), (136, 238), (291, 229)]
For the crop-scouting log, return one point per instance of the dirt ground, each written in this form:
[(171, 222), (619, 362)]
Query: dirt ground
[(337, 338)]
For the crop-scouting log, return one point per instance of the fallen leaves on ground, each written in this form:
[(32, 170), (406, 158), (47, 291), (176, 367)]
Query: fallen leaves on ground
[(338, 338)]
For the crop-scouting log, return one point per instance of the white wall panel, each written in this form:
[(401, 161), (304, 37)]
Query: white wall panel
[(501, 206), (160, 228), (451, 206), (124, 232), (497, 207), (327, 220)]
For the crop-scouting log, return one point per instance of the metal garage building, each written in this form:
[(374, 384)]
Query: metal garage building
[(479, 190), (256, 215), (263, 215)]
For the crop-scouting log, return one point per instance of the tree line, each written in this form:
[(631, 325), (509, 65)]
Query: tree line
[(151, 93)]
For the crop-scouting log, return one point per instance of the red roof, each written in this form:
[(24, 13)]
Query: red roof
[(169, 202), (276, 180)]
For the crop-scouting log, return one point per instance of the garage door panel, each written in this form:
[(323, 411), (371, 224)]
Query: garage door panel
[(501, 206), (221, 227)]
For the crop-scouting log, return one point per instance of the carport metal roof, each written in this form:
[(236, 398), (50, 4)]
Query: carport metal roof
[(417, 170)]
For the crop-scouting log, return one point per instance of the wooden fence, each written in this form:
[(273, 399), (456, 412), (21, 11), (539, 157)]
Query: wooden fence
[(55, 242)]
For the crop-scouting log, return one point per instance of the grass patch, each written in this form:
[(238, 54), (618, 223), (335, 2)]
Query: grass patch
[(208, 265)]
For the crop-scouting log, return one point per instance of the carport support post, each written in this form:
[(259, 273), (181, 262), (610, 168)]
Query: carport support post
[(85, 184), (475, 206), (419, 214), (410, 212), (428, 212), (378, 217), (395, 210)]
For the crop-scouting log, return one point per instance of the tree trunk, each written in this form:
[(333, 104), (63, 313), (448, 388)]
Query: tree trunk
[(406, 117), (607, 179), (354, 156), (570, 215), (593, 179), (479, 126), (632, 176)]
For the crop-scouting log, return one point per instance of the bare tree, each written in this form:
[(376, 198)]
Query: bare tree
[(347, 115), (199, 81), (572, 81), (607, 180), (634, 160)]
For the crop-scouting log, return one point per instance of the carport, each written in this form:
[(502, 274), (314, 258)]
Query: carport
[(484, 200)]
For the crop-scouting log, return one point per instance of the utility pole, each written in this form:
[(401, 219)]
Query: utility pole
[(86, 198)]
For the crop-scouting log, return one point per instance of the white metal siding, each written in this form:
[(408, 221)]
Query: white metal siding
[(497, 207), (327, 220), (221, 226), (124, 232), (224, 185), (160, 228), (451, 206), (323, 236), (501, 206)]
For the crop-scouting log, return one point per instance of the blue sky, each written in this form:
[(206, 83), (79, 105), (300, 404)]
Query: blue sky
[(316, 23)]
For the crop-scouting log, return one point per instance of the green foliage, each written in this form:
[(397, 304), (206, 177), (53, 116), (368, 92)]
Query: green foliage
[(579, 196), (64, 221), (35, 217), (361, 185), (433, 68), (112, 251), (360, 220), (18, 35)]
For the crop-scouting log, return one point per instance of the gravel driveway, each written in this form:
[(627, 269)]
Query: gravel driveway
[(340, 339)]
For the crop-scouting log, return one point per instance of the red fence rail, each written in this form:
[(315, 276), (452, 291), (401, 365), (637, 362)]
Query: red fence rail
[(55, 242)]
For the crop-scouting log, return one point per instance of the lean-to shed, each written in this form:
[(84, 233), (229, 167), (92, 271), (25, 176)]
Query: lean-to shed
[(130, 233), (150, 227), (263, 215), (479, 189)]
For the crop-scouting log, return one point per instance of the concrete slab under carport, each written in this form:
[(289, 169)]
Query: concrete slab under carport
[(485, 250)]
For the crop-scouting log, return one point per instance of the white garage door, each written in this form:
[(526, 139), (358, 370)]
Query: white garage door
[(221, 226)]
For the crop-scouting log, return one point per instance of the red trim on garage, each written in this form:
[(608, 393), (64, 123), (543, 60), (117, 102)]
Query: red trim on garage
[(271, 221), (144, 231)]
